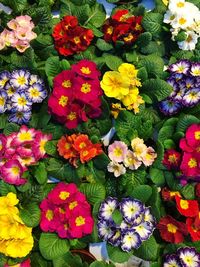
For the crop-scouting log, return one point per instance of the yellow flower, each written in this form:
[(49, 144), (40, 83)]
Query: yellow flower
[(3, 246), (116, 109), (136, 104), (128, 70), (115, 84), (7, 204), (131, 97)]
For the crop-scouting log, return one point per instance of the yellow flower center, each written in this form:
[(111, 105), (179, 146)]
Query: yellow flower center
[(25, 136), (85, 153), (63, 101), (21, 80), (85, 70), (71, 116), (180, 4), (2, 101), (109, 30), (117, 152), (66, 226), (184, 204), (197, 135), (15, 170), (128, 38), (82, 145), (138, 27), (66, 83), (49, 215), (22, 101), (85, 88), (64, 195), (189, 38), (171, 228), (192, 163), (196, 72), (11, 91), (172, 158), (72, 205), (67, 146), (34, 92), (3, 82), (62, 211), (182, 21), (77, 40), (80, 221), (42, 144)]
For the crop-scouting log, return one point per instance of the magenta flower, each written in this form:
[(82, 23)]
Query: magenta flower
[(2, 143), (86, 69), (39, 145), (24, 136), (49, 220), (117, 151)]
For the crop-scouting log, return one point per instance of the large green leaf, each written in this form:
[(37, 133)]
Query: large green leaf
[(153, 64), (52, 68), (51, 246), (185, 121), (97, 15), (152, 22), (30, 214), (40, 173), (149, 250), (113, 62), (142, 192), (157, 176), (117, 255), (94, 192), (6, 188)]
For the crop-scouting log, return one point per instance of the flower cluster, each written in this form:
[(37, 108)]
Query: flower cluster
[(15, 237), (71, 38), (123, 85), (26, 263), (188, 160), (136, 223), (19, 35), (184, 257), (20, 150), (66, 212), (76, 94), (122, 26), (184, 18), (185, 80), (121, 156), (78, 146), (19, 90)]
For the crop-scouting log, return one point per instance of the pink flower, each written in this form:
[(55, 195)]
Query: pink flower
[(26, 263), (2, 143), (62, 193), (64, 80), (87, 69), (193, 135), (190, 164), (73, 116), (49, 220), (21, 46), (116, 168), (58, 106), (149, 157), (39, 145), (11, 172), (24, 136), (117, 151), (131, 161), (10, 148), (20, 21)]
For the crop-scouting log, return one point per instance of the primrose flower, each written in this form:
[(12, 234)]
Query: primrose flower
[(117, 151), (131, 161), (131, 209), (20, 79), (139, 148), (189, 257), (107, 208), (116, 168), (188, 208), (172, 260), (4, 78)]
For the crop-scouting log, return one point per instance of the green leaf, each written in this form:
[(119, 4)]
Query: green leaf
[(142, 192), (10, 128), (157, 89), (101, 161), (117, 255), (51, 148), (181, 36), (185, 121), (3, 120), (30, 214), (40, 173), (133, 179), (188, 191), (157, 176), (94, 192), (64, 64), (165, 133), (144, 39), (18, 5), (6, 188), (97, 15), (155, 203), (117, 217), (160, 155), (142, 74), (113, 62), (52, 68), (149, 250), (103, 45), (38, 260), (51, 246), (153, 64), (152, 22), (169, 144)]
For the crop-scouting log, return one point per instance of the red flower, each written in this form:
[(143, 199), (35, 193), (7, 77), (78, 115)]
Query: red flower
[(190, 164), (65, 147), (171, 230), (87, 69), (121, 15), (168, 195), (188, 208), (69, 22), (81, 142), (64, 80), (72, 116), (172, 159), (193, 227)]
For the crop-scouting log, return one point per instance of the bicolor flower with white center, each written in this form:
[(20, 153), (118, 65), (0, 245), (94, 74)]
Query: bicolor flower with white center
[(107, 208), (148, 217), (180, 67), (4, 77), (190, 42), (130, 240), (116, 168), (189, 257), (20, 79), (10, 90), (3, 98), (195, 69), (20, 102), (169, 17), (104, 229), (172, 261), (115, 239), (25, 135), (20, 117), (192, 97), (144, 230), (36, 93), (35, 79), (176, 5), (131, 209)]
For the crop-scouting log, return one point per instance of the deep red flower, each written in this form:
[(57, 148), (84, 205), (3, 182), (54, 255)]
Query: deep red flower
[(168, 195), (193, 227), (121, 15), (188, 208), (171, 230), (64, 80), (72, 116), (69, 22), (172, 159)]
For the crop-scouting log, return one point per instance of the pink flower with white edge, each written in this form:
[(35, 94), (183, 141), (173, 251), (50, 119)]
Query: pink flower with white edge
[(25, 161), (81, 224), (10, 148), (2, 143), (149, 157), (131, 162), (11, 172), (117, 151), (116, 168), (24, 136), (39, 145), (2, 162), (62, 193)]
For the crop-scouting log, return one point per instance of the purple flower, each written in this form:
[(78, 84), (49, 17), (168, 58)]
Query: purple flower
[(115, 239), (148, 217), (35, 79), (177, 76), (195, 69), (10, 90), (107, 208), (182, 66), (189, 257), (20, 117), (36, 93), (178, 97), (171, 81), (3, 98), (144, 230), (130, 240), (4, 77), (20, 79), (105, 229), (20, 102), (169, 107), (131, 209), (172, 260), (191, 98)]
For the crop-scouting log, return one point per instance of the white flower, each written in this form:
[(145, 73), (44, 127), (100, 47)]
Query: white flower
[(190, 42), (176, 5), (116, 168), (182, 21), (169, 17)]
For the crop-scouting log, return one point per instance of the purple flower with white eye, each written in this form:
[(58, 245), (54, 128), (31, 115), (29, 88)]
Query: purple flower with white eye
[(173, 83), (189, 257), (189, 83), (20, 117), (148, 217), (197, 82), (10, 90), (191, 97), (20, 79), (4, 78), (105, 229), (115, 239), (131, 209), (195, 69), (107, 208), (3, 98), (130, 240), (177, 76), (172, 260), (20, 102), (178, 97), (36, 93), (169, 107), (35, 79), (182, 66), (144, 230)]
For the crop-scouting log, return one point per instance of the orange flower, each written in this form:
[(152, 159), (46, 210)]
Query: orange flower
[(81, 142), (90, 152), (65, 148)]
